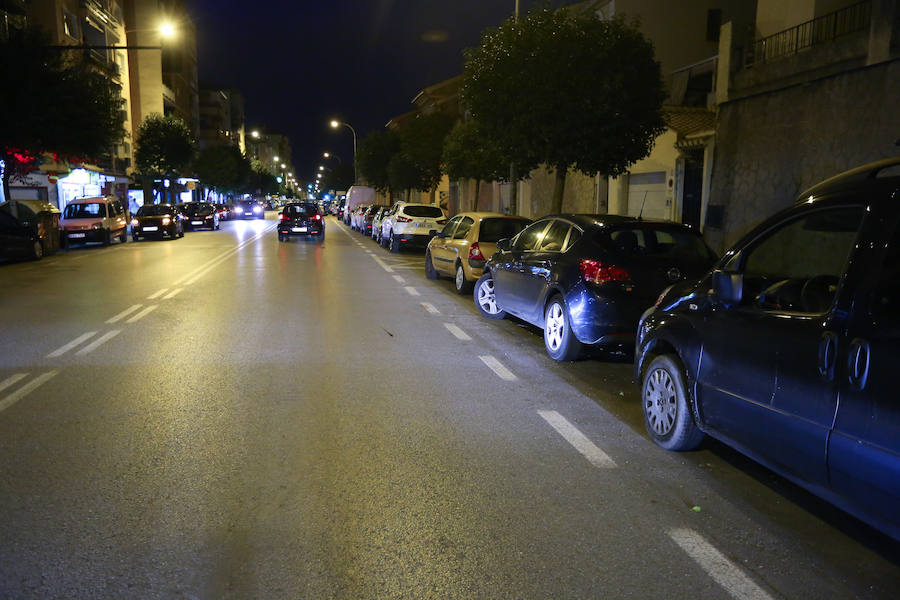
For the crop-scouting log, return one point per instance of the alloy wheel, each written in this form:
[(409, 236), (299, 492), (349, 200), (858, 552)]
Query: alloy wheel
[(486, 299), (555, 327)]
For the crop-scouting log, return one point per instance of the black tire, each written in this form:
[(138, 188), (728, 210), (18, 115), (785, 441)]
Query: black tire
[(181, 232), (107, 237), (134, 238), (123, 237), (430, 271), (394, 244), (485, 300), (280, 238), (559, 339), (37, 250), (666, 404), (382, 241), (460, 283)]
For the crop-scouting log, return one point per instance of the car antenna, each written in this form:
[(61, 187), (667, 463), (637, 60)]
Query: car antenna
[(644, 201)]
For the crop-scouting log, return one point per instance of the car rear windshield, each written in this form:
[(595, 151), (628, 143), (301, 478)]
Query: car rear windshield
[(154, 210), (300, 210), (432, 212), (94, 210), (198, 209), (494, 230), (649, 241)]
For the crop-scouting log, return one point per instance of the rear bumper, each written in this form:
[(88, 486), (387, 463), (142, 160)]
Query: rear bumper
[(288, 230), (604, 318), (417, 241)]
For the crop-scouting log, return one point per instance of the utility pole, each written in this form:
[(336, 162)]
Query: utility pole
[(513, 171)]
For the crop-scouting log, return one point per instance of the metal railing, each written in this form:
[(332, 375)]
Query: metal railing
[(826, 28)]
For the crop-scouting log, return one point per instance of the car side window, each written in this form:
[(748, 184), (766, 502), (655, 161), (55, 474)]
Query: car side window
[(463, 230), (797, 267), (884, 302), (447, 231), (555, 237), (528, 237), (574, 236)]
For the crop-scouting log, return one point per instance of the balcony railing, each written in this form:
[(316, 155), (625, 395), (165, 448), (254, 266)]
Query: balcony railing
[(820, 30)]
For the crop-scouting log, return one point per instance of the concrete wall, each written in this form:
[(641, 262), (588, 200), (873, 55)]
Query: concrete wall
[(773, 145)]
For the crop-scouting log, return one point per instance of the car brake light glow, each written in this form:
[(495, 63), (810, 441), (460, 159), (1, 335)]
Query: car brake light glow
[(442, 221), (402, 219), (318, 217), (475, 252), (595, 271)]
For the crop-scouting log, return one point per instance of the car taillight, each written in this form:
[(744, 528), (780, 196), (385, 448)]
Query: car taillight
[(595, 271), (442, 221), (285, 218), (318, 217), (475, 252), (403, 220)]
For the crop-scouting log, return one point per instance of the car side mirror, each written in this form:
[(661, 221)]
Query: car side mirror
[(434, 233), (728, 288), (503, 244)]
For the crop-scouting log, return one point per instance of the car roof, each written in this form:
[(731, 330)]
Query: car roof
[(481, 214), (882, 174)]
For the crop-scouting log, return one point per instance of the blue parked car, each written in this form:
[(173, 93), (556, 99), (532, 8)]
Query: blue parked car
[(786, 350)]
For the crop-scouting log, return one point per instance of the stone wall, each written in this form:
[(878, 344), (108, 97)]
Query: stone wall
[(536, 194), (772, 146)]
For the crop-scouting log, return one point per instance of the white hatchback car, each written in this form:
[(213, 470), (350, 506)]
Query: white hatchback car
[(97, 219), (408, 224)]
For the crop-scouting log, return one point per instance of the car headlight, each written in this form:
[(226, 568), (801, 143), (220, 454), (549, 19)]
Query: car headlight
[(96, 225), (257, 209), (238, 210), (135, 222), (166, 220)]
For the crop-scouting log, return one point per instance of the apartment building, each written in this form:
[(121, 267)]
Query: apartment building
[(221, 117)]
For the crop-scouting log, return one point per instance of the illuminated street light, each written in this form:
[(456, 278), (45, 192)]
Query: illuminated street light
[(255, 134), (321, 168), (334, 125), (283, 166), (167, 30), (275, 159)]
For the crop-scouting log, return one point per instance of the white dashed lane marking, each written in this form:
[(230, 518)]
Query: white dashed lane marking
[(172, 294), (12, 380), (457, 332), (431, 308), (99, 342), (495, 366), (25, 389), (412, 291), (76, 342), (728, 575), (579, 441), (157, 294), (399, 279), (124, 313), (142, 314)]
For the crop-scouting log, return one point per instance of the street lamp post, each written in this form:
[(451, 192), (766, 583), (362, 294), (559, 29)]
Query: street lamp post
[(334, 125)]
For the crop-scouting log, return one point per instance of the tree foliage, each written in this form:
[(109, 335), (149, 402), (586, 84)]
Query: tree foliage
[(469, 154), (52, 101), (374, 155), (337, 177), (164, 146), (568, 90), (262, 180), (223, 168), (422, 143)]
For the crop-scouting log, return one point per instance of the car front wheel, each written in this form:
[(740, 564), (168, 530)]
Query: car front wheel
[(665, 402), (559, 338), (485, 299)]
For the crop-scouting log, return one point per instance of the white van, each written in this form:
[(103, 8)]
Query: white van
[(356, 195), (96, 219)]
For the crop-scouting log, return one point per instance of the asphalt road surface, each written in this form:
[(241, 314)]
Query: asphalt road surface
[(227, 416)]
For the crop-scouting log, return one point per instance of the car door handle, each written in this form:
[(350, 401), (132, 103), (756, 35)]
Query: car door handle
[(858, 363), (827, 352)]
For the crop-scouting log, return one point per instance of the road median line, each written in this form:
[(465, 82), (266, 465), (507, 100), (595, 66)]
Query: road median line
[(578, 440)]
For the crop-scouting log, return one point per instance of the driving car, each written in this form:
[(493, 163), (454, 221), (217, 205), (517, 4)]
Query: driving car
[(199, 215), (157, 220), (410, 224), (93, 219), (248, 209), (224, 211), (786, 349), (586, 279), (466, 242), (300, 218)]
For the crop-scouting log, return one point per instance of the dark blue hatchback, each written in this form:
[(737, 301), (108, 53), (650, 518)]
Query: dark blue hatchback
[(586, 279), (787, 349)]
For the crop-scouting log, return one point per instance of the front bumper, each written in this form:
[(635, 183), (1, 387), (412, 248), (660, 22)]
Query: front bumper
[(83, 236)]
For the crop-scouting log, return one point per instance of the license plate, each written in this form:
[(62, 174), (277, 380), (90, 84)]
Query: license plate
[(151, 228), (196, 222), (298, 229), (76, 235)]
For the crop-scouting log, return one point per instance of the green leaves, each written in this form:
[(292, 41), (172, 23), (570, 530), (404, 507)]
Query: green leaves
[(164, 146), (222, 167)]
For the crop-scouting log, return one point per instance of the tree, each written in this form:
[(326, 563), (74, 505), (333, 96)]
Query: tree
[(164, 148), (567, 90), (53, 102), (404, 174), (422, 141), (374, 155), (222, 167), (469, 154), (338, 177), (262, 180)]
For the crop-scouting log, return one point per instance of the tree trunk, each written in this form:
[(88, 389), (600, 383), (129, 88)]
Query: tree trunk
[(408, 193), (147, 185), (514, 190), (431, 194), (477, 194), (558, 190)]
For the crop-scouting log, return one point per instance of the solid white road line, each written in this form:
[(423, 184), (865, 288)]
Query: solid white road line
[(79, 340), (99, 342), (11, 380), (124, 313), (595, 455), (200, 271), (382, 264), (142, 314), (456, 331), (399, 279), (157, 294), (723, 571), (431, 308), (172, 294), (495, 366), (25, 390)]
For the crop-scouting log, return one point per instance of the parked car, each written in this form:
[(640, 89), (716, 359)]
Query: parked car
[(94, 219), (199, 215), (357, 195), (787, 349), (300, 218), (586, 279), (409, 224), (248, 209), (376, 223), (19, 238), (466, 242), (157, 220), (355, 215), (366, 219)]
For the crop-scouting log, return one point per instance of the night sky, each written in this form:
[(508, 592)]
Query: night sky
[(300, 63)]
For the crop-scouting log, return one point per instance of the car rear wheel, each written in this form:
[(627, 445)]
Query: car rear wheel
[(394, 243), (123, 237), (666, 405), (37, 250), (559, 338), (485, 299), (430, 271), (462, 284)]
